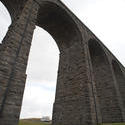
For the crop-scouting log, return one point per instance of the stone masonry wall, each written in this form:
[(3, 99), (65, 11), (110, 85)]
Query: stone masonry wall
[(90, 89), (72, 103)]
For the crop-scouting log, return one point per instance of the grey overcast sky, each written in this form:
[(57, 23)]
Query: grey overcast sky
[(105, 18)]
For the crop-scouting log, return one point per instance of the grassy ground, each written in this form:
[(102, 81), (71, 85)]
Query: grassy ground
[(32, 122), (37, 122), (115, 124)]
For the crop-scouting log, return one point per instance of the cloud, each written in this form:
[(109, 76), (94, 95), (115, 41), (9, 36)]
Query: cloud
[(44, 57), (38, 101), (5, 21), (42, 75)]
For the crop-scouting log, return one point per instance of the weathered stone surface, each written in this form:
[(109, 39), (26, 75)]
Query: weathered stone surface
[(91, 81)]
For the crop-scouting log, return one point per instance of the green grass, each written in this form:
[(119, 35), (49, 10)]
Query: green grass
[(37, 122), (32, 122), (114, 124)]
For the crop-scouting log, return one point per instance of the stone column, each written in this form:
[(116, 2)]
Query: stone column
[(73, 99), (14, 53)]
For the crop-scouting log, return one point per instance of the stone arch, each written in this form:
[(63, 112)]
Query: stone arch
[(104, 84), (55, 20), (120, 79)]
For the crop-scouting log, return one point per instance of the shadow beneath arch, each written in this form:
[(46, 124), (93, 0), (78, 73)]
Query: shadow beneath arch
[(59, 24)]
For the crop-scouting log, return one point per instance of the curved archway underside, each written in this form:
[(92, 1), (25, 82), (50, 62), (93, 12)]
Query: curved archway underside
[(59, 24), (76, 97)]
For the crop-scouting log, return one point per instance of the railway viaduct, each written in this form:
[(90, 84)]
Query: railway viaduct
[(91, 81)]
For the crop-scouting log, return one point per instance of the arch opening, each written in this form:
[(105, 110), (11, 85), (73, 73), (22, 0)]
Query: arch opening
[(5, 21), (120, 79), (41, 76), (104, 84)]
